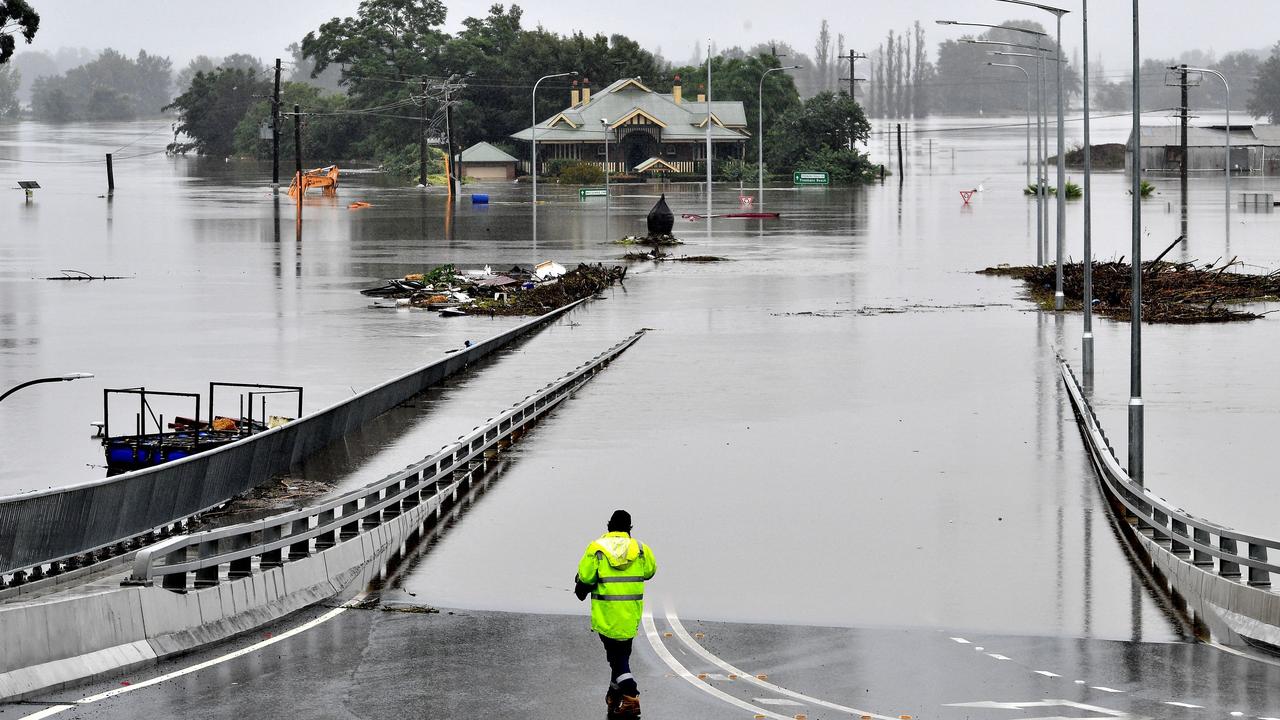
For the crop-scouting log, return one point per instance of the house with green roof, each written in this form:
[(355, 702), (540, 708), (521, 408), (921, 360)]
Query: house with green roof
[(646, 131), (483, 161)]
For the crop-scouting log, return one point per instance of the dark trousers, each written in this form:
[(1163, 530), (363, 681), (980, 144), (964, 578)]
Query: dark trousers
[(618, 653)]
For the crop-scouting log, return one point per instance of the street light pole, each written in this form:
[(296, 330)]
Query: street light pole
[(1086, 337), (1042, 219), (1135, 300), (58, 378), (1028, 76), (1042, 141), (533, 157), (708, 132), (760, 129), (1059, 299), (1228, 163), (604, 124)]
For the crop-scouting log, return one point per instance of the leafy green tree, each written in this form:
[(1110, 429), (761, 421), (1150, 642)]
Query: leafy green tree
[(10, 80), (1264, 101), (328, 131), (51, 102), (199, 63), (819, 135), (211, 108), (16, 16), (738, 78), (385, 48)]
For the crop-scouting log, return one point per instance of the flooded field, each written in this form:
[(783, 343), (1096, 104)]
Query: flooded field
[(841, 425)]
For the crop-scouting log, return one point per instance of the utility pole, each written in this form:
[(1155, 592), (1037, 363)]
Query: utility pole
[(422, 137), (275, 132), (448, 124), (1182, 141), (853, 58), (297, 150)]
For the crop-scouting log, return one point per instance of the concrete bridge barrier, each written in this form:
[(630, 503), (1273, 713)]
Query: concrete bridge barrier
[(1220, 577), (193, 590), (52, 531)]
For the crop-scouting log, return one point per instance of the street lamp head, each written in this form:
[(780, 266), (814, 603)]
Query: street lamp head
[(945, 22), (77, 376), (1047, 8), (795, 67)]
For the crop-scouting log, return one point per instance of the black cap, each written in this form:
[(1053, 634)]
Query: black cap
[(620, 521)]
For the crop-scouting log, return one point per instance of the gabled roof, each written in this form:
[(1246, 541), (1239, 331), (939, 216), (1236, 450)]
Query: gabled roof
[(654, 164), (627, 99), (483, 152)]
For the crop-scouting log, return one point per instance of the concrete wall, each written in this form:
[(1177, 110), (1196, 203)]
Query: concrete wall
[(50, 525), (1229, 610), (57, 643)]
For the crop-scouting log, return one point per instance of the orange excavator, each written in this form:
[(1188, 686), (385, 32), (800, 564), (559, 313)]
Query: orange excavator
[(325, 178)]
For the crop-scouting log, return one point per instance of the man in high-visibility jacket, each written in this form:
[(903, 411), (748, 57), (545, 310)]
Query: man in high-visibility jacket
[(613, 571)]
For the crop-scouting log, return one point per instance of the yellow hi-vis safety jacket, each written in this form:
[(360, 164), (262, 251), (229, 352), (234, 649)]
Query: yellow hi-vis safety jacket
[(617, 565)]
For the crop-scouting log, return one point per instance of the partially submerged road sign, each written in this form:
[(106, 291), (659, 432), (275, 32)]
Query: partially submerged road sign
[(586, 192), (810, 178)]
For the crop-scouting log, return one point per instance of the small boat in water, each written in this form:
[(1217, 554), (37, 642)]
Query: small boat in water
[(154, 442)]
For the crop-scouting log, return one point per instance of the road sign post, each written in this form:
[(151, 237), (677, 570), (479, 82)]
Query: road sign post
[(586, 192), (810, 178)]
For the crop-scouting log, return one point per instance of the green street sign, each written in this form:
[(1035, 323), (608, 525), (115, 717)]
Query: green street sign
[(586, 192), (810, 178)]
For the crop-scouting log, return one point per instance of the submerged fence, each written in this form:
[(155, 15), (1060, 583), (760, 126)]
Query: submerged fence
[(47, 531)]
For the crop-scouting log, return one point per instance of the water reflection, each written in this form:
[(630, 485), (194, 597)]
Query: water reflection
[(845, 382)]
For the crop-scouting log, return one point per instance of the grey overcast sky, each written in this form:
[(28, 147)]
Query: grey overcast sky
[(182, 29)]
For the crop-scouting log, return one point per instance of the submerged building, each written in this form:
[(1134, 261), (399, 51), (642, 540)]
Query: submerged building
[(1255, 149), (646, 131)]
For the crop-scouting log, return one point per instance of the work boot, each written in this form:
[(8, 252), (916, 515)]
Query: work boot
[(611, 698), (628, 707)]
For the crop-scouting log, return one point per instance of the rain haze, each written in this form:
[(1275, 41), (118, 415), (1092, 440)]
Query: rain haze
[(182, 29), (496, 369)]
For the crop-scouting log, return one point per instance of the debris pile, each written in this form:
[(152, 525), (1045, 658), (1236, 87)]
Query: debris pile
[(484, 292), (1172, 292)]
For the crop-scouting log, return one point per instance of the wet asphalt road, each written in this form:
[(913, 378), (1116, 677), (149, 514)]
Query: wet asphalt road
[(375, 663)]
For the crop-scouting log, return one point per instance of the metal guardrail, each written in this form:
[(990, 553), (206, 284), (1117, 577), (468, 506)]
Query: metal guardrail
[(51, 531), (1197, 541), (275, 540)]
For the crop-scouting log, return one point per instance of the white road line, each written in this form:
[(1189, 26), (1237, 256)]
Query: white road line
[(652, 632), (1105, 689), (56, 709), (997, 656), (1046, 673), (1183, 705), (961, 640), (693, 645), (47, 712)]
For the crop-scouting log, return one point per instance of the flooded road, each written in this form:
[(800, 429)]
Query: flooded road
[(841, 426)]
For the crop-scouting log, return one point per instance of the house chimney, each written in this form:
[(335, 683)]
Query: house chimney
[(702, 96), (573, 95), (677, 91), (586, 90)]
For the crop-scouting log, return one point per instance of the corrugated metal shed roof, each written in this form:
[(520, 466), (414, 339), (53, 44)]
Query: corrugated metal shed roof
[(483, 152), (1241, 136), (623, 97)]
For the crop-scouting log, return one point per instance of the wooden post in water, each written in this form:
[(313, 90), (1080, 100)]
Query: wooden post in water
[(111, 176), (902, 171)]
